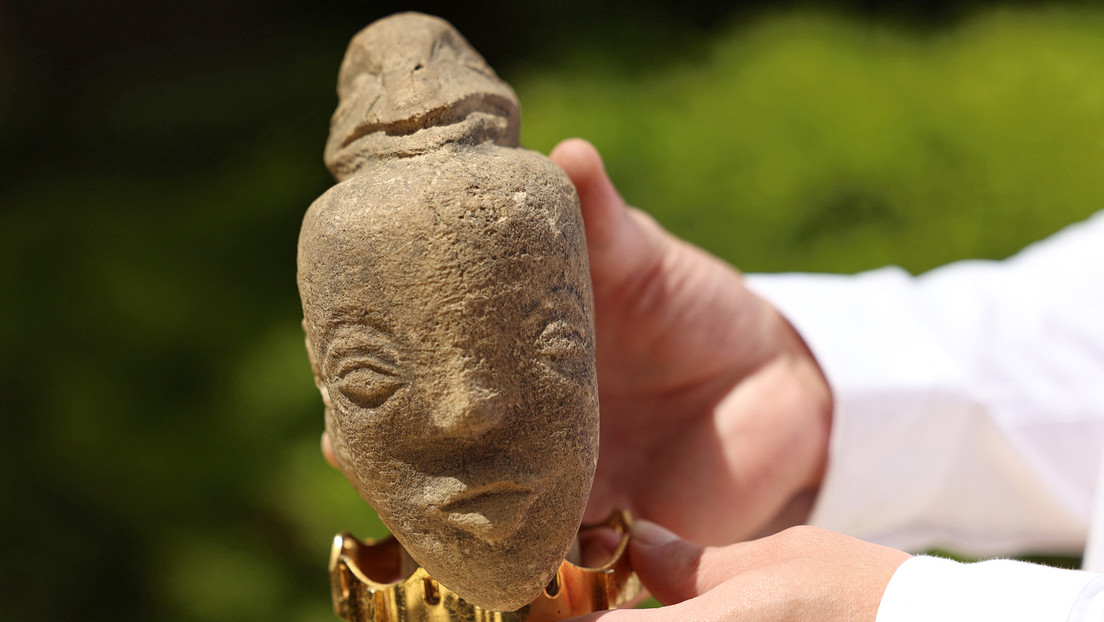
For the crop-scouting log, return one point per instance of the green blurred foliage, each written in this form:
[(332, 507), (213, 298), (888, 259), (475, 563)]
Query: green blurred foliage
[(810, 141), (160, 427)]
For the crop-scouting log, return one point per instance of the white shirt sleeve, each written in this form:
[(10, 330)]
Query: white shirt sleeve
[(969, 401), (925, 589), (969, 414)]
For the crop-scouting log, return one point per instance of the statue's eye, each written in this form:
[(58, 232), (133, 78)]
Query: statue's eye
[(368, 386), (480, 67), (562, 340), (443, 50)]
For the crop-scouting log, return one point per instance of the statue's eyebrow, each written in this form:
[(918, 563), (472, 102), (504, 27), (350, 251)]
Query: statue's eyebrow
[(360, 339), (434, 46), (557, 294), (355, 318)]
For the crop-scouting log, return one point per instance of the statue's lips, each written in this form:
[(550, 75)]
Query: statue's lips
[(492, 494), (491, 512)]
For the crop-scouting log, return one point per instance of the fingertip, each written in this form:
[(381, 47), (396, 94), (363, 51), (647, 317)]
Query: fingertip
[(618, 615), (666, 564), (577, 157), (584, 166), (652, 534), (327, 450), (604, 211)]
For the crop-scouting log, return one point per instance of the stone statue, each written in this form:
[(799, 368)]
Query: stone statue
[(448, 312)]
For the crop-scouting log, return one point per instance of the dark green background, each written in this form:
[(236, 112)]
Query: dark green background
[(159, 425)]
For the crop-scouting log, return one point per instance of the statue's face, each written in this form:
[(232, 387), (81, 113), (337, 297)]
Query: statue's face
[(456, 357)]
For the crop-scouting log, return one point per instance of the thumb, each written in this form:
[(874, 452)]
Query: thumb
[(603, 208), (674, 570), (667, 565), (621, 241)]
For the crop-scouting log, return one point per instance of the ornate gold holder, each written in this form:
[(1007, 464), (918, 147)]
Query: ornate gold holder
[(574, 591)]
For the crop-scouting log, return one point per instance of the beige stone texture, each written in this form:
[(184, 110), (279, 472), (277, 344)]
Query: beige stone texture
[(448, 311)]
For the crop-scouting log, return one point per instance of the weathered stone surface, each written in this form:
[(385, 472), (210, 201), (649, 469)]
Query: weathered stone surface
[(448, 312)]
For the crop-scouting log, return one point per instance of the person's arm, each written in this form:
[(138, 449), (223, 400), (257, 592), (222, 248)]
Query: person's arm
[(968, 402)]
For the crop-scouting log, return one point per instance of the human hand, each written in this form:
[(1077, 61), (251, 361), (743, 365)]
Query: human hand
[(803, 573), (714, 415)]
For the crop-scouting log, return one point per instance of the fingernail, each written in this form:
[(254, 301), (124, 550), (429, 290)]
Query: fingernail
[(651, 534)]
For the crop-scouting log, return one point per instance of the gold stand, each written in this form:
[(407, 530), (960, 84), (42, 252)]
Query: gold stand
[(574, 591)]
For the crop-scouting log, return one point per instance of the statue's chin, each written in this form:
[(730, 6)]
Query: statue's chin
[(490, 575), (497, 548)]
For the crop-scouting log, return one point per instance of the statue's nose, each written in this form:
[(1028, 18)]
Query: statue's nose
[(469, 409)]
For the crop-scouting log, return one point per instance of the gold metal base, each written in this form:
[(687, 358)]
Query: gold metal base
[(574, 591)]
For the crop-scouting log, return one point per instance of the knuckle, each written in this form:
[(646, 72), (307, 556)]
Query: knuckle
[(800, 537)]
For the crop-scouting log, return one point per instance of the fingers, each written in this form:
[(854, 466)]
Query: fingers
[(630, 615), (674, 570), (804, 573), (713, 607), (667, 565)]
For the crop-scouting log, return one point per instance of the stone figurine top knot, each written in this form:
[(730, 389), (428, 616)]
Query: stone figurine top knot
[(410, 84), (448, 312)]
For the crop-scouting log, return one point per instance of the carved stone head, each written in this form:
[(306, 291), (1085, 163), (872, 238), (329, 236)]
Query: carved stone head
[(448, 312)]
